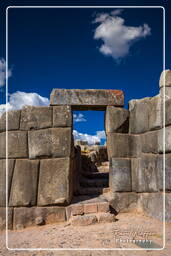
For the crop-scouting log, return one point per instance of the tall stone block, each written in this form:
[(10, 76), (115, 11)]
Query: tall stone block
[(117, 120), (167, 140), (160, 171), (3, 179), (120, 175), (62, 116), (168, 112), (17, 144), (13, 120), (24, 183), (52, 142), (149, 142), (165, 78), (145, 173), (36, 118), (55, 181), (156, 112)]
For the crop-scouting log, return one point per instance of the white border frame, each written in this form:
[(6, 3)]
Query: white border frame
[(84, 249)]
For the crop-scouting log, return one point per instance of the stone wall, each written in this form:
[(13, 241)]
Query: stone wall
[(136, 153), (40, 165)]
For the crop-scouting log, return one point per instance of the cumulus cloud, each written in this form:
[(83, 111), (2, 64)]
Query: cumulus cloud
[(116, 36), (19, 99), (79, 118), (3, 72), (91, 139)]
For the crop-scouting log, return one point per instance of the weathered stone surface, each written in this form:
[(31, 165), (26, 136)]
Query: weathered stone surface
[(13, 120), (55, 182), (87, 99), (83, 220), (17, 144), (152, 204), (24, 183), (165, 78), (123, 145), (124, 202), (165, 93), (160, 171), (106, 217), (117, 120), (90, 208), (139, 113), (35, 118), (27, 216), (3, 179), (53, 142), (149, 142), (120, 174), (103, 207), (155, 113), (168, 112), (145, 173), (62, 116), (167, 140), (3, 218)]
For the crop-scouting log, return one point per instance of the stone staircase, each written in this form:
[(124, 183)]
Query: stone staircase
[(86, 210), (95, 182)]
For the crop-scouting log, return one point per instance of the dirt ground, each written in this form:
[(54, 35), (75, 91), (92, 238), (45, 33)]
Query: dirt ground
[(129, 231)]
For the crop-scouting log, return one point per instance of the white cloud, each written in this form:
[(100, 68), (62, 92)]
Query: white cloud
[(91, 139), (3, 72), (19, 99), (79, 118), (116, 36)]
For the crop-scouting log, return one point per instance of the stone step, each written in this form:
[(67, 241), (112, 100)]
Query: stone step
[(85, 182), (92, 191), (96, 175), (88, 219)]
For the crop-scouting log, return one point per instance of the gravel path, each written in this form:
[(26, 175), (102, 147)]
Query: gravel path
[(129, 226)]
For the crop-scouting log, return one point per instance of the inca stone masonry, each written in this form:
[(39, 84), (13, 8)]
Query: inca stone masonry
[(44, 167)]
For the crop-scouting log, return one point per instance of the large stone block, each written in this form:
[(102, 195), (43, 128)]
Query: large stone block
[(149, 142), (3, 218), (17, 144), (124, 202), (160, 171), (62, 116), (139, 115), (145, 173), (13, 120), (24, 183), (89, 99), (167, 140), (165, 78), (156, 113), (168, 112), (53, 142), (123, 145), (28, 216), (36, 118), (120, 175), (55, 182), (3, 179), (165, 92), (117, 120)]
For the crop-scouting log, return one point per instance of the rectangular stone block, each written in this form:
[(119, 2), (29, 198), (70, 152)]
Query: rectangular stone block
[(13, 120), (149, 142), (120, 175), (62, 116), (117, 120), (17, 144), (36, 118), (168, 112), (87, 99), (123, 145), (156, 112), (139, 115), (55, 182), (145, 173), (167, 140), (32, 216), (165, 93), (3, 179), (90, 208), (52, 142), (3, 218), (24, 183), (160, 169)]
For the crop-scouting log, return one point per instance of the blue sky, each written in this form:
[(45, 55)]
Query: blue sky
[(64, 48)]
